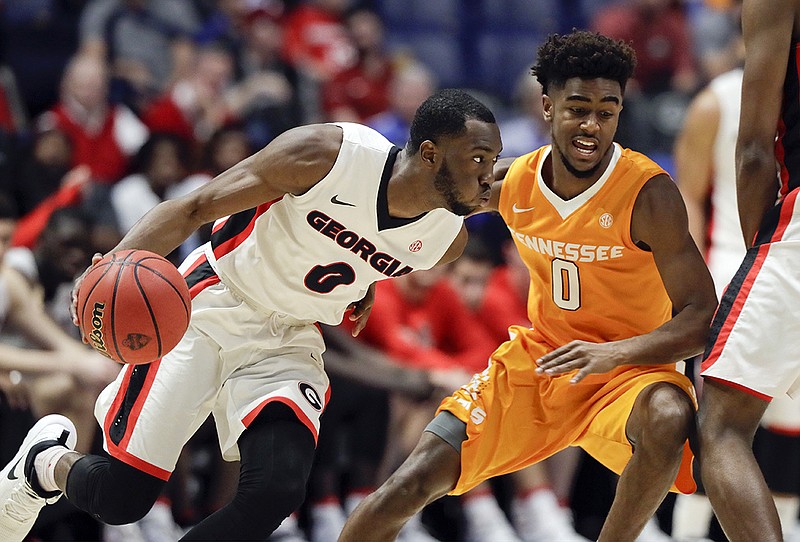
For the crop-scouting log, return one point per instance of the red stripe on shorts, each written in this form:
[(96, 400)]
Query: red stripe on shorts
[(119, 451), (734, 385), (305, 420), (787, 210), (202, 285), (736, 309)]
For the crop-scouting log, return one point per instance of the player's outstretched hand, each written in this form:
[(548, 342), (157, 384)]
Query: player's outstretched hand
[(73, 307), (361, 310), (585, 357)]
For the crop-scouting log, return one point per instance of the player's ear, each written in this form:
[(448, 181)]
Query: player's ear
[(428, 152), (547, 108)]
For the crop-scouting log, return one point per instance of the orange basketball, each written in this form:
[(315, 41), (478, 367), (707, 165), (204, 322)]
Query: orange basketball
[(133, 306)]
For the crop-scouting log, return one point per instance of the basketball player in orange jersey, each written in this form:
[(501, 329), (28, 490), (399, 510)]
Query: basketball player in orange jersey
[(304, 228), (618, 294), (752, 354)]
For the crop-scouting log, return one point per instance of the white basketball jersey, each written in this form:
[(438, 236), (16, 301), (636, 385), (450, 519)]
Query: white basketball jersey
[(726, 247), (310, 256)]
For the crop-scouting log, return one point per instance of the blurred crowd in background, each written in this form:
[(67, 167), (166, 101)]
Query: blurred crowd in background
[(108, 107)]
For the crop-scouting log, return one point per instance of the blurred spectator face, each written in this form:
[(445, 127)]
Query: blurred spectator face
[(236, 10), (469, 276), (215, 69), (232, 148), (412, 86), (366, 29), (65, 247), (415, 286), (264, 35), (86, 82), (165, 167), (53, 149)]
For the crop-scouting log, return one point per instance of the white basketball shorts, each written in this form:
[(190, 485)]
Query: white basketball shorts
[(232, 361), (751, 346)]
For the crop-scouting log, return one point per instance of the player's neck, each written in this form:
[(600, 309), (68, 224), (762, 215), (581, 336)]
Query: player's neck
[(565, 183), (408, 192)]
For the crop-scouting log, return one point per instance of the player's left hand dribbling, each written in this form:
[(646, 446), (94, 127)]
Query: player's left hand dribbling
[(73, 307), (585, 357), (361, 310)]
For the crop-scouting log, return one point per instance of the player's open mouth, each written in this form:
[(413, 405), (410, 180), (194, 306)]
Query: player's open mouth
[(583, 146)]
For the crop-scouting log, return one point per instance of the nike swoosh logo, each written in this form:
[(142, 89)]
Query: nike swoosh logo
[(11, 475), (518, 210), (335, 199)]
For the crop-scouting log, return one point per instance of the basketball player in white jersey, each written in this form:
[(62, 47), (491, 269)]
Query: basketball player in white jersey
[(706, 177), (751, 357), (310, 223)]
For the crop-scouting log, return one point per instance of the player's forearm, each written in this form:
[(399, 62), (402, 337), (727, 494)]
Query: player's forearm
[(756, 188), (162, 229), (682, 337)]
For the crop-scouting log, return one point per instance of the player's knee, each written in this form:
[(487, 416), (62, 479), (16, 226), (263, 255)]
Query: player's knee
[(670, 416), (112, 491), (279, 497), (126, 511)]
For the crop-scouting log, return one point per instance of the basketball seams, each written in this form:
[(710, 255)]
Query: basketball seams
[(160, 275), (112, 315), (125, 303), (147, 303)]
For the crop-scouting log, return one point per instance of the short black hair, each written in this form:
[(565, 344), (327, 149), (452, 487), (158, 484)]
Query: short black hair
[(144, 157), (65, 215), (583, 54), (445, 114)]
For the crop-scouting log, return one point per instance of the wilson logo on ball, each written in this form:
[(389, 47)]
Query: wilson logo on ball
[(96, 335)]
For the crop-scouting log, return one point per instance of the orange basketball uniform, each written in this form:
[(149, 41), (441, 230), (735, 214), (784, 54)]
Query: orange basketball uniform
[(589, 282)]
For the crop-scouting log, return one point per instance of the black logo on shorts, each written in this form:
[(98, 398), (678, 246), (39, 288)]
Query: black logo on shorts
[(311, 395)]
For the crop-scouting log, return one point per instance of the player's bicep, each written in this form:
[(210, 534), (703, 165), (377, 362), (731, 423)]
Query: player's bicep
[(660, 222), (291, 164)]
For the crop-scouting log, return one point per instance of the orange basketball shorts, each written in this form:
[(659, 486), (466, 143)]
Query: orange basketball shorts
[(516, 417)]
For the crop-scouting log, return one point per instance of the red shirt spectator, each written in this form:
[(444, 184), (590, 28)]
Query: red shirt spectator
[(502, 305), (316, 40), (433, 331), (659, 33), (103, 136), (361, 91)]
